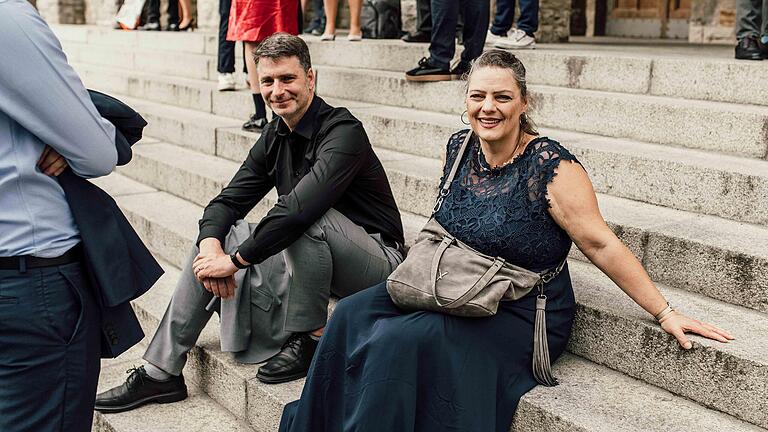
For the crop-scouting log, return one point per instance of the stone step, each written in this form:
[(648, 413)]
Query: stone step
[(738, 129), (713, 126), (664, 71), (198, 413), (725, 186), (719, 258), (609, 329)]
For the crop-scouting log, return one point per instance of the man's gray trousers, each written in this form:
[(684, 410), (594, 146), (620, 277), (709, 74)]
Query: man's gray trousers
[(287, 293)]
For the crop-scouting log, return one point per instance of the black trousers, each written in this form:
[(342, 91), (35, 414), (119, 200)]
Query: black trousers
[(445, 17), (153, 11), (50, 339)]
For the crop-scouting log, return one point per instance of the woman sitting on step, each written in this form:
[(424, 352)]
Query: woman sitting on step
[(515, 195)]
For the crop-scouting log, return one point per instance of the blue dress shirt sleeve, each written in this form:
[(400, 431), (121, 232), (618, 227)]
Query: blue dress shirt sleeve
[(40, 91)]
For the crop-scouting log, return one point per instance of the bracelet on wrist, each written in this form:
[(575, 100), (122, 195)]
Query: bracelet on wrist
[(664, 313)]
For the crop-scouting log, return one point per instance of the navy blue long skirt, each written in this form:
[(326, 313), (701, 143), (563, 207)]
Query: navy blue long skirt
[(378, 368)]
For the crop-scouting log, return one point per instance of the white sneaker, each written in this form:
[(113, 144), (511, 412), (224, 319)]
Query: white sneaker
[(492, 38), (226, 81), (516, 39)]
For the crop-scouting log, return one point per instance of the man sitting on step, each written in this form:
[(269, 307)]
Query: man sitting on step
[(334, 229)]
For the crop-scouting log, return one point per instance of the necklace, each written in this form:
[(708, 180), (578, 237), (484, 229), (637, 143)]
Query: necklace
[(498, 167)]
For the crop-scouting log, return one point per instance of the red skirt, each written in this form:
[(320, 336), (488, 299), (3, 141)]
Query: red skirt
[(256, 20)]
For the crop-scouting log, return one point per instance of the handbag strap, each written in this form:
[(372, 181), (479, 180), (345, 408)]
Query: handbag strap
[(498, 263), (446, 189)]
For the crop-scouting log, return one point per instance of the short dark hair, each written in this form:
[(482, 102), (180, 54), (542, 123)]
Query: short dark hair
[(281, 45)]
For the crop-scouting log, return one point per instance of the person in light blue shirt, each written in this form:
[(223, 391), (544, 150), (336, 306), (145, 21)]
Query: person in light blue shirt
[(49, 323)]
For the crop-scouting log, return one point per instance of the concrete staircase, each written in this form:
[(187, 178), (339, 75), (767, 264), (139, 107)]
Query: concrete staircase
[(674, 141)]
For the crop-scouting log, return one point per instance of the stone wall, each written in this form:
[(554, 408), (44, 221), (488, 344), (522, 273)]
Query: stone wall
[(713, 22), (62, 11), (554, 21)]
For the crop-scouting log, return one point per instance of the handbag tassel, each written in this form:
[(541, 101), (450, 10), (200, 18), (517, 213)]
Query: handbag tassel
[(542, 368)]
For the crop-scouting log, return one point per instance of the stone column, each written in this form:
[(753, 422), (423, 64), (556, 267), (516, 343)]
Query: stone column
[(62, 11), (554, 21)]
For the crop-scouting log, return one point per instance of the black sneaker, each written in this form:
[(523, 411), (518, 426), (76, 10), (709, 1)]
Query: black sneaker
[(427, 72), (172, 27), (292, 362), (255, 124), (150, 26), (460, 70), (139, 389), (748, 49)]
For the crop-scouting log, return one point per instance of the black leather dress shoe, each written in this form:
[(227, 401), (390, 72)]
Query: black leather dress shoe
[(418, 36), (140, 389), (291, 363), (150, 26), (748, 49), (255, 124), (426, 71), (172, 27)]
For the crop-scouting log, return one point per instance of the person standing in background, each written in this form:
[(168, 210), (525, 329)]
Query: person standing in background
[(316, 26), (153, 16), (251, 23), (50, 321), (521, 37), (226, 51), (331, 11)]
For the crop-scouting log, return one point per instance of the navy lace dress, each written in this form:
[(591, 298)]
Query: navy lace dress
[(380, 369)]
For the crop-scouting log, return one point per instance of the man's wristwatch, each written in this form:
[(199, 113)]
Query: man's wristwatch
[(237, 262)]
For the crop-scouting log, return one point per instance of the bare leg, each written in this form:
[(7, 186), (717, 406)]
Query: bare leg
[(250, 65), (331, 7), (355, 7), (186, 12)]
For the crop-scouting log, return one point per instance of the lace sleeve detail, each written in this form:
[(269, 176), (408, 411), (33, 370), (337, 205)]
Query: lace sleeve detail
[(547, 156)]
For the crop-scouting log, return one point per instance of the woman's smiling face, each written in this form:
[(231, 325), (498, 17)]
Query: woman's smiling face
[(494, 104)]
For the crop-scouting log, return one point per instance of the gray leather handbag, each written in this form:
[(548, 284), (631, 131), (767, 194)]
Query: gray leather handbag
[(443, 274)]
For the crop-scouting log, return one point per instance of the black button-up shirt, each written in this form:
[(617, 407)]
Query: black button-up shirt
[(325, 162)]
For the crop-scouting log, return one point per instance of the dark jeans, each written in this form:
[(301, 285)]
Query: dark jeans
[(153, 11), (445, 16), (318, 11), (505, 15), (49, 350)]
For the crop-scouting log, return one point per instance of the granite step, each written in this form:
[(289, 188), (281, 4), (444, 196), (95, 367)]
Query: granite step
[(664, 71), (198, 413), (609, 329), (725, 186), (711, 126), (713, 256)]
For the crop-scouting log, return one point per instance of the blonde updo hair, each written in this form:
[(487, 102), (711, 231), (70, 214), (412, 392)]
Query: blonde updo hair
[(505, 60)]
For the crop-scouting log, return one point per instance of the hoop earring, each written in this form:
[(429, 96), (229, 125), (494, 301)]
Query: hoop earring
[(462, 118)]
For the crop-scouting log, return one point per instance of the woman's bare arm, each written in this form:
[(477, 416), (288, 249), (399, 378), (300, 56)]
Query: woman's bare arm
[(574, 207)]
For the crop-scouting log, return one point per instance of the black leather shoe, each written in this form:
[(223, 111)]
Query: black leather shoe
[(748, 49), (172, 27), (427, 72), (291, 363), (460, 70), (763, 49), (140, 389), (255, 124), (418, 36), (150, 26)]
